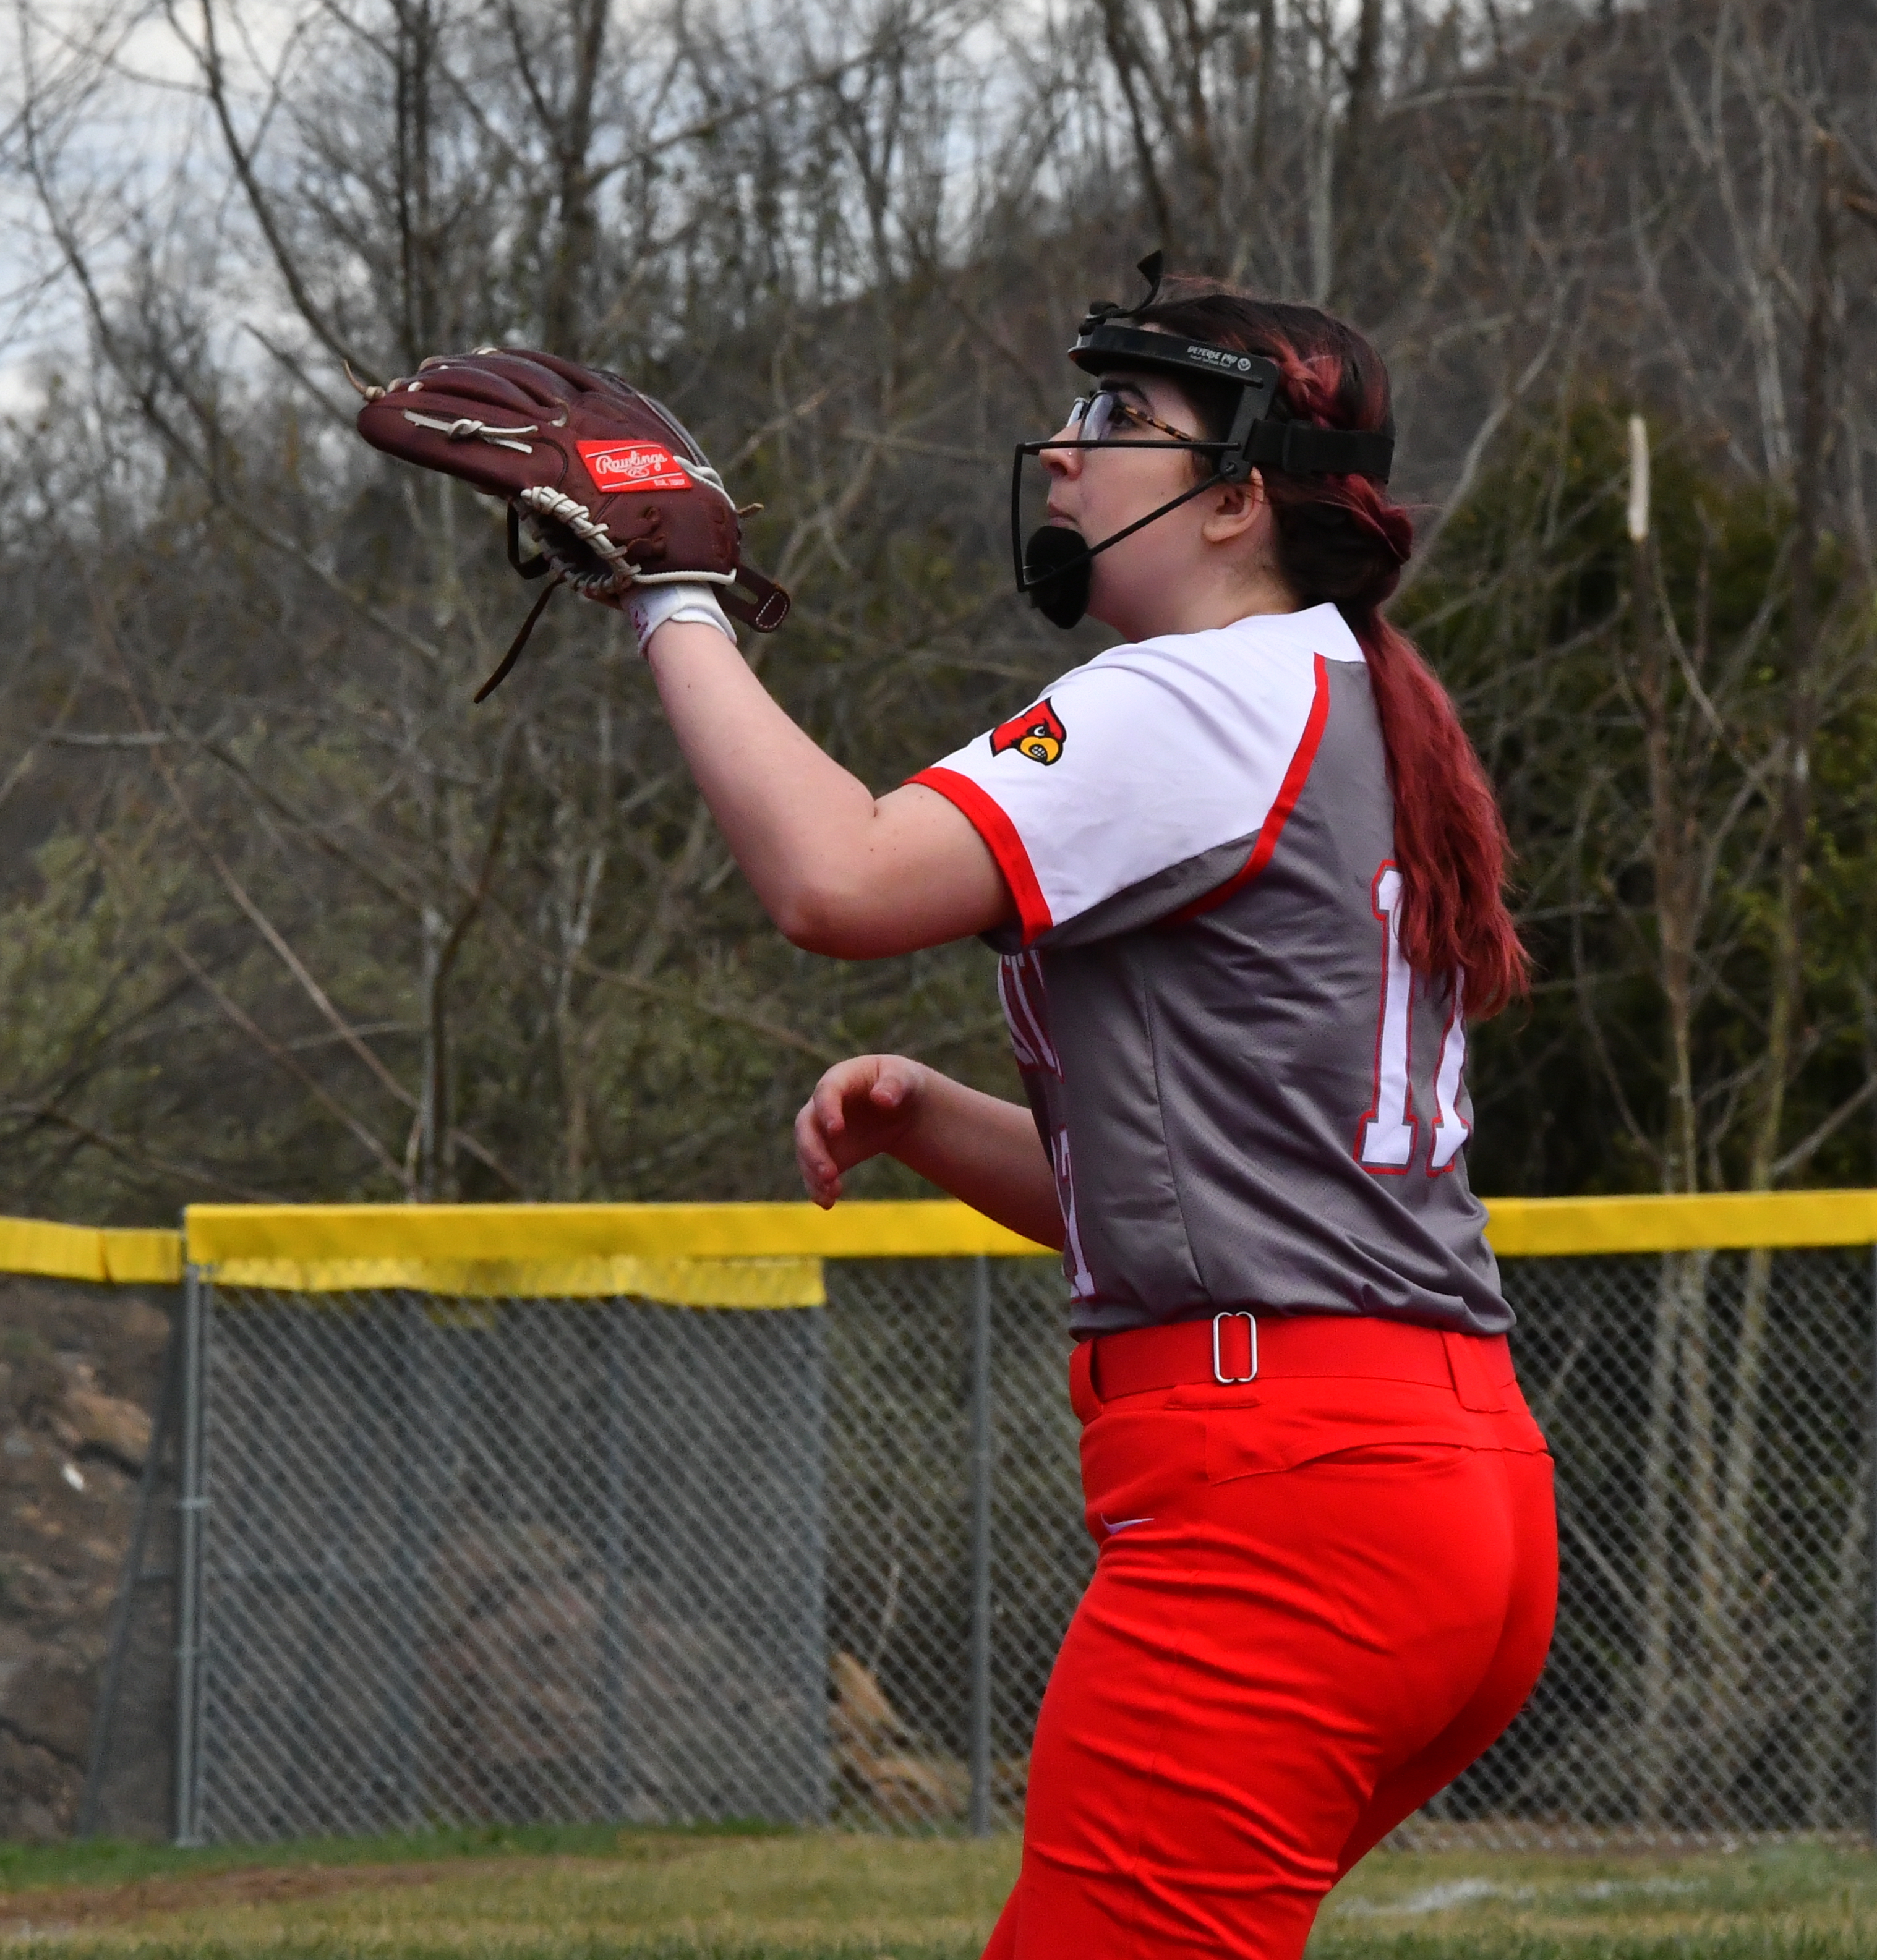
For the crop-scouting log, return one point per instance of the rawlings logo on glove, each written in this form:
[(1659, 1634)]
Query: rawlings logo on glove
[(631, 465), (572, 450)]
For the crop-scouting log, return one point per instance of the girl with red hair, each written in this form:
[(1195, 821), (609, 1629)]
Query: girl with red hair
[(1245, 872)]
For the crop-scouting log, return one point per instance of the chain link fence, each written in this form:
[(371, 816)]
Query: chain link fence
[(446, 1560), (1711, 1416), (519, 1560)]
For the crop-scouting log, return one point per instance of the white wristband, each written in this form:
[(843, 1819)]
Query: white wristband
[(649, 607)]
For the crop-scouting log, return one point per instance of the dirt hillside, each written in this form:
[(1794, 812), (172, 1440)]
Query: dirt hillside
[(79, 1373)]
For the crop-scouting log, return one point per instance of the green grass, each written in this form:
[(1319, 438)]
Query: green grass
[(1799, 1900), (102, 1861), (604, 1894)]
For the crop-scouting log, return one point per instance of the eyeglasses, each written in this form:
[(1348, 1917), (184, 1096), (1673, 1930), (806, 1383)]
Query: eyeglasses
[(1096, 418)]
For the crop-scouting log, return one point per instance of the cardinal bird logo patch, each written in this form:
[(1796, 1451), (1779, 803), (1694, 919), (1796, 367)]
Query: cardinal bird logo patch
[(1038, 733), (632, 466)]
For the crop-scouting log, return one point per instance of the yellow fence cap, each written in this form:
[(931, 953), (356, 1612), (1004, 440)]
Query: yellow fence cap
[(717, 1255), (770, 1254), (104, 1256), (1712, 1221), (752, 1283), (941, 1229)]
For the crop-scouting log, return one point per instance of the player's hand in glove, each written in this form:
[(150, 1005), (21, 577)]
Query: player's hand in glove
[(607, 482)]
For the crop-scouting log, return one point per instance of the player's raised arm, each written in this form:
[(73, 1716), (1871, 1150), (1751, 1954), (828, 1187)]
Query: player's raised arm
[(840, 870)]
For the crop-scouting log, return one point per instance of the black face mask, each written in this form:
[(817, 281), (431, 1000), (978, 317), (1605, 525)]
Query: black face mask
[(1055, 567), (1057, 572)]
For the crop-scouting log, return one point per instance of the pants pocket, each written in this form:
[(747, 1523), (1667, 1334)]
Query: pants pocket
[(1139, 1467)]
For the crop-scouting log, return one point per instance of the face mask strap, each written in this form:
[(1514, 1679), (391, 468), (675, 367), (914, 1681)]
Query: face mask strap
[(1025, 583), (1235, 465)]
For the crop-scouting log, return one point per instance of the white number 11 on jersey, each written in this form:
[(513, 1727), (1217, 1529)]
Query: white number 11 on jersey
[(1385, 1142)]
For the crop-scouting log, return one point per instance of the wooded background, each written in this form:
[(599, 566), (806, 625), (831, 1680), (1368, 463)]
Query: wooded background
[(285, 917)]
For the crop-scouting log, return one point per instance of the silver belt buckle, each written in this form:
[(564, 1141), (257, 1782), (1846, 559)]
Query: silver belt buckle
[(1224, 1380)]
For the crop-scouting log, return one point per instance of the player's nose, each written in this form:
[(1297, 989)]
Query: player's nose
[(1064, 462)]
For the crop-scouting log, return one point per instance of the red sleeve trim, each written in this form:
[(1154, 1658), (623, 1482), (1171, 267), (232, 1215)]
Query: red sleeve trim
[(1288, 790), (986, 817)]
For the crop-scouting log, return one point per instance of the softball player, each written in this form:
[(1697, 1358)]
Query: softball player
[(1244, 872)]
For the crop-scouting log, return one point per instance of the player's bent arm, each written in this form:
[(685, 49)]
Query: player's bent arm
[(978, 1147), (986, 1151), (840, 871)]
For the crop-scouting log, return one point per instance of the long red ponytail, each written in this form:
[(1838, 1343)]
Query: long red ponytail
[(1340, 538)]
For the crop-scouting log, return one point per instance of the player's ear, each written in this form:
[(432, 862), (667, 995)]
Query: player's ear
[(1235, 508)]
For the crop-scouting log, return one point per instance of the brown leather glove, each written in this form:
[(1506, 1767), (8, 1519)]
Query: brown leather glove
[(607, 481)]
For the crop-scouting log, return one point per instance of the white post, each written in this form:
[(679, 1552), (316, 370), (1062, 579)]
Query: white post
[(190, 1503)]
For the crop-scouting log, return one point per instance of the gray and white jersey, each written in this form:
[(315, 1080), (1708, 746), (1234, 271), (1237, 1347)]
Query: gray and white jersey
[(1248, 1098)]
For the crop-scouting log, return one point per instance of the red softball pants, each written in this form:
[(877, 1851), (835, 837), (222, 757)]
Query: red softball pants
[(1315, 1602)]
